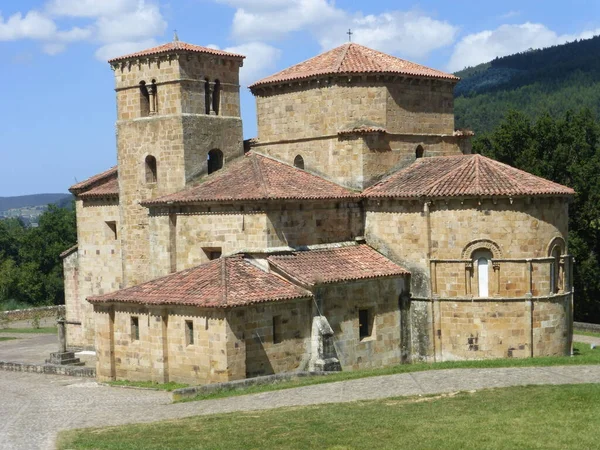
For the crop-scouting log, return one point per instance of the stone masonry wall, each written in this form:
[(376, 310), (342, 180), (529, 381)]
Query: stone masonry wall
[(341, 303), (99, 264), (259, 351)]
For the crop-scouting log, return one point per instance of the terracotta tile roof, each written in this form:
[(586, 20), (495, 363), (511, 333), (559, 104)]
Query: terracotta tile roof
[(68, 251), (222, 283), (332, 265), (256, 177), (176, 46), (463, 176), (105, 184), (352, 59)]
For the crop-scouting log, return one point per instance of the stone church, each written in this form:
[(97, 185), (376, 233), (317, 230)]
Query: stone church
[(357, 230)]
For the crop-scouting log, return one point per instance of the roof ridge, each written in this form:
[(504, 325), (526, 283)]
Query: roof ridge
[(257, 170), (340, 61), (477, 182), (224, 280)]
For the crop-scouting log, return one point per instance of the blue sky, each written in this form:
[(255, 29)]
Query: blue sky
[(58, 104)]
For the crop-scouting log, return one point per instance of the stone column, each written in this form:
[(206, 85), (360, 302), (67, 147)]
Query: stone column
[(152, 96), (159, 356)]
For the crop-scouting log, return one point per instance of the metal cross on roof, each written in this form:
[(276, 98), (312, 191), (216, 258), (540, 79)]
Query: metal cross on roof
[(349, 33), (175, 36)]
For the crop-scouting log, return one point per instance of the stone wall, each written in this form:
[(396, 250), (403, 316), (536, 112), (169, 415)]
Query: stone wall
[(340, 304), (260, 351), (33, 313), (192, 230), (97, 264)]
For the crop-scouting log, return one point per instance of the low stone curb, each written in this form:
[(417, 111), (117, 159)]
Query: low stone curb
[(582, 326), (192, 391), (49, 369)]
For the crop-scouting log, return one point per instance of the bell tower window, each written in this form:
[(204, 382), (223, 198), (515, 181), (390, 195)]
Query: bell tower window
[(144, 100), (216, 97), (207, 96), (215, 160), (153, 99), (151, 176)]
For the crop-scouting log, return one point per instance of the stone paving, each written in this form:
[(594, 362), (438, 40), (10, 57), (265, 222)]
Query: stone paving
[(34, 408)]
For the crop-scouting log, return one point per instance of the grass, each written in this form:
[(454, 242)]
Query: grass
[(148, 385), (7, 338), (587, 333), (43, 330), (583, 355), (536, 417)]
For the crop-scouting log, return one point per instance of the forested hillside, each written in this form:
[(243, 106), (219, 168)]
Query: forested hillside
[(24, 201), (552, 80)]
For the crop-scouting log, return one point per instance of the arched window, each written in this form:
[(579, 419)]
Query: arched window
[(144, 100), (482, 261), (555, 270), (151, 169), (299, 162), (207, 96), (216, 97), (215, 160), (419, 152)]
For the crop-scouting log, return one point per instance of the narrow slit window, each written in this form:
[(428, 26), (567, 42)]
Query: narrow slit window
[(277, 338), (135, 329), (365, 323), (151, 169), (189, 332)]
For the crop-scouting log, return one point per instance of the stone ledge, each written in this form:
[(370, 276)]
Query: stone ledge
[(582, 326), (190, 392), (49, 369)]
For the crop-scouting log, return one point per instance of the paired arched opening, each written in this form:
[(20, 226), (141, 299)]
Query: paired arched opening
[(216, 97), (419, 152), (151, 173), (148, 99), (206, 96), (299, 162), (215, 160)]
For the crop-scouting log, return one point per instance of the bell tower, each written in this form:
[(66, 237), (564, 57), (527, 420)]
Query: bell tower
[(178, 117)]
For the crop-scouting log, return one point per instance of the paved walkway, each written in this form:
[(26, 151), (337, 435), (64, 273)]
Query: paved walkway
[(35, 407)]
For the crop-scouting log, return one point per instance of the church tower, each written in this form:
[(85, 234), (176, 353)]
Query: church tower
[(178, 117)]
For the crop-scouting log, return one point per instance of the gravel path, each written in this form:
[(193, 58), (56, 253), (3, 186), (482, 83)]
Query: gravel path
[(33, 407)]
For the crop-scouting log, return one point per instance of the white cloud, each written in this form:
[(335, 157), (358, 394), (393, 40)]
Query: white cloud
[(33, 25), (90, 8), (113, 24), (410, 33), (115, 49), (261, 60), (510, 14), (505, 40)]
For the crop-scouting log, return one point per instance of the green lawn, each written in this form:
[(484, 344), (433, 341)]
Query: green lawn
[(530, 417), (148, 385), (44, 330), (583, 355), (587, 333)]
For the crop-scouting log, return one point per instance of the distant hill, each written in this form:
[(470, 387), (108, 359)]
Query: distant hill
[(554, 79), (27, 201)]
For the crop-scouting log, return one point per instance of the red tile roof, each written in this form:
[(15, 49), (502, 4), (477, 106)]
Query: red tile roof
[(222, 283), (256, 177), (332, 265), (463, 176), (176, 46), (105, 184), (352, 59)]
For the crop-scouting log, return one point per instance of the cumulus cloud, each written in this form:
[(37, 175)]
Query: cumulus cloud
[(261, 60), (115, 25), (505, 40), (410, 33)]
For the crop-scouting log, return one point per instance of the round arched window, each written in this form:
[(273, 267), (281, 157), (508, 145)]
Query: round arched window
[(299, 162), (215, 160)]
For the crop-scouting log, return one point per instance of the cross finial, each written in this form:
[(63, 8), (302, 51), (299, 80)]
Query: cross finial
[(175, 37), (349, 33)]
